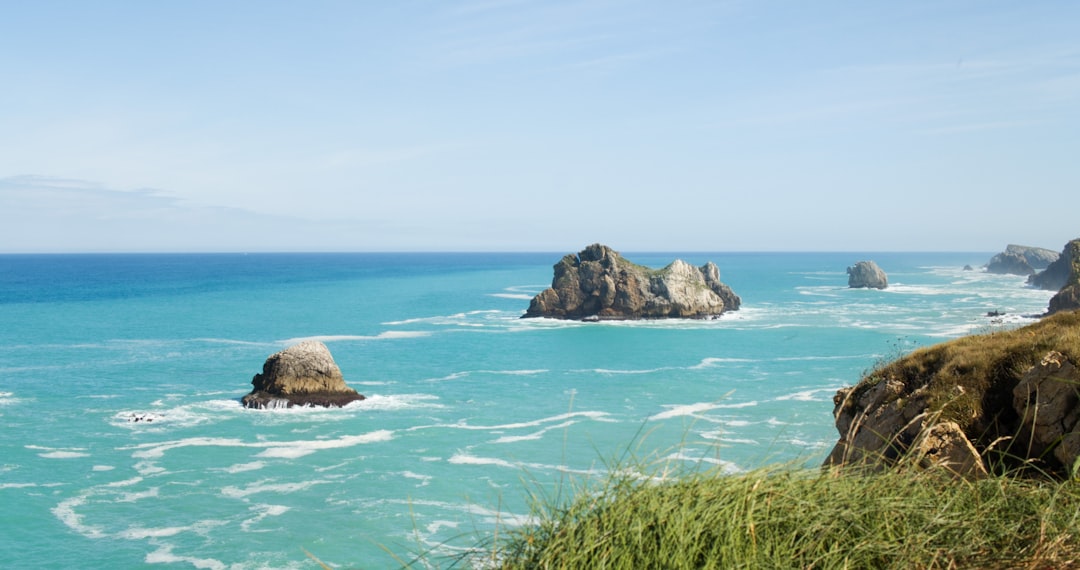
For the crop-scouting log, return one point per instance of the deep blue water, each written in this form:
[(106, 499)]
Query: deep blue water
[(465, 400)]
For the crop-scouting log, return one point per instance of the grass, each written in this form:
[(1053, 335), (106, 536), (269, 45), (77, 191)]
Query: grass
[(789, 517), (784, 517)]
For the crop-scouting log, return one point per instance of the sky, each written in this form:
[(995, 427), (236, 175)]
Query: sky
[(514, 125)]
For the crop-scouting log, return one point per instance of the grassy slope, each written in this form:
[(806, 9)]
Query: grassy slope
[(790, 518)]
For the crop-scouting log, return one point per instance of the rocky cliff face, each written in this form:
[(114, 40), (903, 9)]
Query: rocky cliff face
[(1021, 260), (867, 274), (599, 283), (1005, 398), (1068, 298), (304, 374)]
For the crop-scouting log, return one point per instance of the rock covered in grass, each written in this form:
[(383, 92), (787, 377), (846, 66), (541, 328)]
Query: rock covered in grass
[(1013, 396), (304, 374), (867, 274), (598, 283)]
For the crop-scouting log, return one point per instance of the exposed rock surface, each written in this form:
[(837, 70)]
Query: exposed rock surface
[(598, 283), (867, 274), (1005, 398), (304, 374), (1047, 399), (1063, 275), (1021, 260)]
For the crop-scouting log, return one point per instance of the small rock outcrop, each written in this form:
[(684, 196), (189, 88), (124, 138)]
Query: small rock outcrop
[(1004, 399), (598, 283), (1021, 260), (866, 274), (304, 374)]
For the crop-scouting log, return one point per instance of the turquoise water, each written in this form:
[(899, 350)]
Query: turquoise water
[(124, 444)]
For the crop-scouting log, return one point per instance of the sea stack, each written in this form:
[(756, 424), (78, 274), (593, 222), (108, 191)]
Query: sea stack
[(866, 274), (598, 284), (304, 374)]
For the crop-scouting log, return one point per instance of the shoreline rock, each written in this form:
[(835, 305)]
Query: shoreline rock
[(304, 374), (599, 284), (972, 404)]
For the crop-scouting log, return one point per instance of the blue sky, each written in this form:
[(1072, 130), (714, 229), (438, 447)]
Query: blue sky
[(512, 125)]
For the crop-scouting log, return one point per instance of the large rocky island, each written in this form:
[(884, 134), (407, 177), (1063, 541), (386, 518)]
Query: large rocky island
[(598, 283), (304, 374)]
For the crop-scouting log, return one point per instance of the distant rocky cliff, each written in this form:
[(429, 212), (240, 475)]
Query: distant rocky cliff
[(1021, 260), (598, 283), (1068, 297)]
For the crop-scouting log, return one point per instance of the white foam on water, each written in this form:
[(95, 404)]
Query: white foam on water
[(395, 402), (387, 335), (142, 533), (147, 468), (132, 497), (713, 362), (532, 436), (272, 448), (462, 458), (263, 486), (424, 479), (262, 511), (164, 555), (810, 395), (63, 455), (244, 467), (231, 341), (27, 485), (677, 410), (435, 526), (103, 468), (726, 467), (518, 296), (65, 511), (595, 416)]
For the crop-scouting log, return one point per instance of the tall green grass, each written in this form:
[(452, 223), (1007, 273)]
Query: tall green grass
[(787, 517)]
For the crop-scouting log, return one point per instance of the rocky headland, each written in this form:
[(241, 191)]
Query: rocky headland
[(974, 404), (1021, 260), (304, 374), (1068, 296), (598, 283), (867, 274)]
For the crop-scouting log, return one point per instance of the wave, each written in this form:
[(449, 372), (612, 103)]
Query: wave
[(59, 453), (276, 449), (164, 555), (517, 296), (387, 335), (263, 486), (678, 410), (595, 416), (809, 395), (467, 373)]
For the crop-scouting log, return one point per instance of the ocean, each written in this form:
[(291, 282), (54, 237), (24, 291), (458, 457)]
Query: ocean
[(125, 446)]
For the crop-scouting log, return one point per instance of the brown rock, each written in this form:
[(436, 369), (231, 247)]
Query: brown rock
[(304, 374), (1046, 400)]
